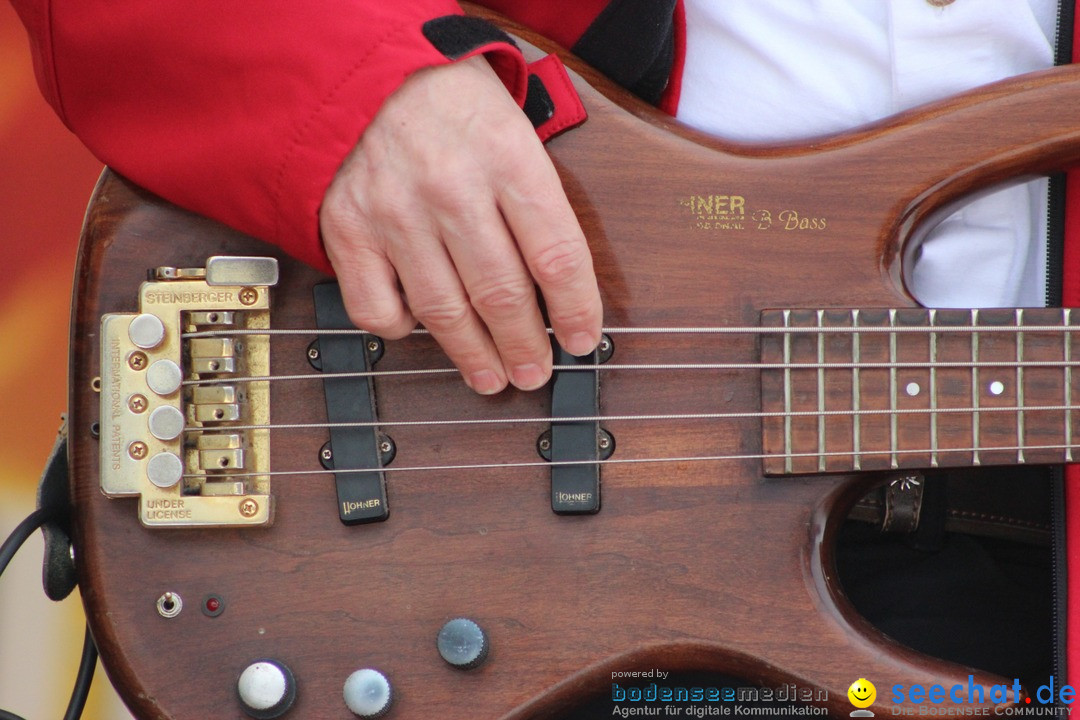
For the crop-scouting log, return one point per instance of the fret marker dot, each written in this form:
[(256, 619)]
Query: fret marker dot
[(997, 387), (912, 389)]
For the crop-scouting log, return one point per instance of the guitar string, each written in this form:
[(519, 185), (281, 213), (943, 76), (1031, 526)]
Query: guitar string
[(640, 461), (915, 364), (722, 330), (636, 417)]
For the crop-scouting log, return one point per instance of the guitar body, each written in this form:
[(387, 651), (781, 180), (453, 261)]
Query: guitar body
[(687, 565)]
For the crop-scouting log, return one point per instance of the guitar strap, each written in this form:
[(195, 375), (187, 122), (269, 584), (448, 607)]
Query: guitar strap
[(634, 43)]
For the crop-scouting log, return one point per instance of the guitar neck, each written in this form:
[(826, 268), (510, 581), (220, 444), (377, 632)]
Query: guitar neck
[(850, 390)]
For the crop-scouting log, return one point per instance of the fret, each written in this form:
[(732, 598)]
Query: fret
[(952, 411), (892, 392), (867, 353), (933, 392), (821, 392), (775, 442), (856, 358), (1019, 387), (836, 450), (913, 389), (814, 389), (975, 390), (994, 387), (1040, 386), (1066, 351), (787, 394)]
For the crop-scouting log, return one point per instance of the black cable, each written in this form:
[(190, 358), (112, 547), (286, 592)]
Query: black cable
[(81, 691), (88, 661), (19, 535)]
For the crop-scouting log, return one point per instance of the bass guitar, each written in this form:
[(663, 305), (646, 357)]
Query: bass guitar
[(280, 515)]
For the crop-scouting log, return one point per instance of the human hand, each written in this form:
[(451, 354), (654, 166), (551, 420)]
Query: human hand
[(451, 193)]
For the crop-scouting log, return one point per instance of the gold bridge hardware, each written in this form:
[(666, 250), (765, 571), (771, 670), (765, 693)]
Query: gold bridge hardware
[(170, 442)]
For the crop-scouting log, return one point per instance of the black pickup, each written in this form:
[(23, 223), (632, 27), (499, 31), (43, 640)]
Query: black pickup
[(361, 494)]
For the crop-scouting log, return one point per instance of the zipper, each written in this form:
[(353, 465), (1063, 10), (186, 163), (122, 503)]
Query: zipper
[(1058, 568), (1055, 226), (1055, 251), (1055, 238)]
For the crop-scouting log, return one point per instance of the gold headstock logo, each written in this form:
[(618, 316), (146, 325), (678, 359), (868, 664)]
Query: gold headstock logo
[(729, 212), (717, 212)]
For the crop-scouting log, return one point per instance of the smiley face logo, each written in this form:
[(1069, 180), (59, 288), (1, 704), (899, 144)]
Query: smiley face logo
[(862, 693)]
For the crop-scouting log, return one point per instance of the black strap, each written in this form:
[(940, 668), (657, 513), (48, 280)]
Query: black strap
[(58, 568), (633, 43)]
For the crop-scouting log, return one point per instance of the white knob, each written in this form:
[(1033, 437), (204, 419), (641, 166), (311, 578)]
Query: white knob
[(267, 689), (367, 693)]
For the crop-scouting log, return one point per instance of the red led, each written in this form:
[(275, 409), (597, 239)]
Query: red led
[(213, 604)]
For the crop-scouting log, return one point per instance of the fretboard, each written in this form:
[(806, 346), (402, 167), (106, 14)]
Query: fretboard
[(845, 390)]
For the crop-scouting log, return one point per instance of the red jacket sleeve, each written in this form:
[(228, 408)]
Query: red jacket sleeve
[(241, 111)]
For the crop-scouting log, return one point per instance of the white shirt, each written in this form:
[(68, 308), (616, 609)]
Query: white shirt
[(769, 70)]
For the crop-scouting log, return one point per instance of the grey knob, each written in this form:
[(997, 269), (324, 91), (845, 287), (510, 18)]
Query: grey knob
[(165, 469), (146, 331), (368, 693), (463, 643), (164, 377), (166, 423), (267, 689)]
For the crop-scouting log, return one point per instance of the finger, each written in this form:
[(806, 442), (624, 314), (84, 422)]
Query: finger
[(369, 290), (500, 290), (437, 299), (554, 250)]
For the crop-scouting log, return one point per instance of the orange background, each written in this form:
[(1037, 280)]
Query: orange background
[(45, 179)]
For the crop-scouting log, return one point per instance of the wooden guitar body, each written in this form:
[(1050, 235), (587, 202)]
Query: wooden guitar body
[(688, 564)]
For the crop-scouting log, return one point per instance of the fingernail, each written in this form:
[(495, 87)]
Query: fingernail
[(529, 377), (580, 343), (485, 382)]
